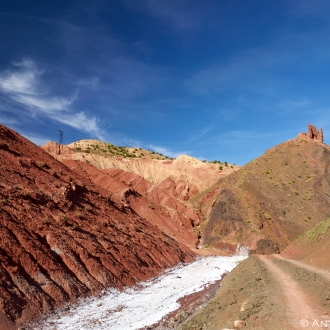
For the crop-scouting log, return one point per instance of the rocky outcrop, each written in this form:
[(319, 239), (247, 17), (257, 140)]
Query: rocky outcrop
[(313, 133)]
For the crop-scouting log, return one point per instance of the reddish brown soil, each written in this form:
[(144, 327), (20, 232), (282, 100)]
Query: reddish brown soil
[(63, 237)]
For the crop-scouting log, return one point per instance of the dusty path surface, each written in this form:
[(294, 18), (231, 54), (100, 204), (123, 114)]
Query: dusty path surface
[(323, 272), (267, 293), (302, 310)]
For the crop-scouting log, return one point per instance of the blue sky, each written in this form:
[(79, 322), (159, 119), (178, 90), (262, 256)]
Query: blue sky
[(215, 79)]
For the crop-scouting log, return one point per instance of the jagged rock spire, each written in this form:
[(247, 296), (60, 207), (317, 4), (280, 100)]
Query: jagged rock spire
[(313, 133)]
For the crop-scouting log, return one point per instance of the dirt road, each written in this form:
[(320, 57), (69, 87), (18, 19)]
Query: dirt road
[(268, 293), (302, 311)]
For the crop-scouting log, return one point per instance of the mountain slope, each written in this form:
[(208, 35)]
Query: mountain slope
[(62, 238), (270, 201), (311, 246)]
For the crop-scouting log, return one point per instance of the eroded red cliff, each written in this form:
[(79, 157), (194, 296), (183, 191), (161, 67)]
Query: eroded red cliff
[(63, 237)]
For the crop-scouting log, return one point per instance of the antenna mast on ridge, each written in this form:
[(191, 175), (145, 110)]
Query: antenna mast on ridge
[(60, 142)]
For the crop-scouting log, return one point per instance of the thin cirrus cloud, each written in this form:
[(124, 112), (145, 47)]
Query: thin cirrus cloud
[(179, 15), (265, 69), (23, 87), (166, 151)]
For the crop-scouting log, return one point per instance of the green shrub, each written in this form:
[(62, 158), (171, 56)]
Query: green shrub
[(318, 230), (63, 218), (53, 173)]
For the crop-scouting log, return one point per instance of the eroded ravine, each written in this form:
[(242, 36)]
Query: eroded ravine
[(143, 305)]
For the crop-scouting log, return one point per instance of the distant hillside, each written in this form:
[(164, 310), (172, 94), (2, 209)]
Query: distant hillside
[(101, 148), (183, 177), (270, 201), (162, 187), (98, 147)]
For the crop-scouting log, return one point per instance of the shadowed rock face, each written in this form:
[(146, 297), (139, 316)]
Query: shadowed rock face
[(62, 237), (266, 246), (313, 133), (225, 218)]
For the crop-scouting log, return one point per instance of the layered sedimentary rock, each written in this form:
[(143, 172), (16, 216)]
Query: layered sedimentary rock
[(63, 237)]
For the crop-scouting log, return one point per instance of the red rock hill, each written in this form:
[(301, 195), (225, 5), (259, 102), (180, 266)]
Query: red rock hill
[(62, 237)]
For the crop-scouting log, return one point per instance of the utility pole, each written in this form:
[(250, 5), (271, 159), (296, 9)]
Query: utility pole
[(60, 145)]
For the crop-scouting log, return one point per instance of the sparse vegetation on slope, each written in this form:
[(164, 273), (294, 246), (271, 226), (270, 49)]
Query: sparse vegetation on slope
[(104, 148), (275, 197)]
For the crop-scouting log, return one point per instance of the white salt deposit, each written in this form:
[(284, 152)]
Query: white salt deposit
[(147, 303)]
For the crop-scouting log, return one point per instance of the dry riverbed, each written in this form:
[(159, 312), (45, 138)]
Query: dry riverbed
[(157, 301)]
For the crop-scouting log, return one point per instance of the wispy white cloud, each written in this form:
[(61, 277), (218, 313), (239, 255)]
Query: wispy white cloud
[(46, 105), (167, 152), (179, 15), (20, 82), (199, 134), (8, 121), (243, 138), (23, 86), (93, 82), (40, 141), (295, 104)]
